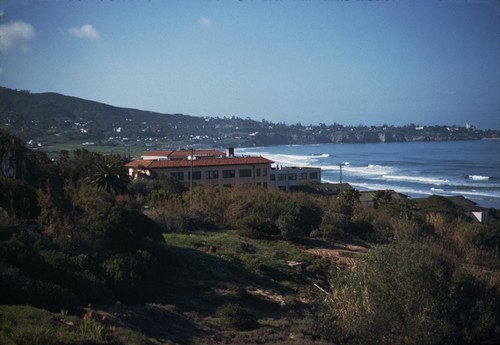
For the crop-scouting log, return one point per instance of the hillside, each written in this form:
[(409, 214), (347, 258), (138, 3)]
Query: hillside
[(46, 119), (89, 257)]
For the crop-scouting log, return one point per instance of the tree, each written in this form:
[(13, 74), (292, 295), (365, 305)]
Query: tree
[(109, 173), (382, 197), (347, 201)]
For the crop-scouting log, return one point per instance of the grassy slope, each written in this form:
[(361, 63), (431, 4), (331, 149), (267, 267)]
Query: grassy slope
[(253, 274)]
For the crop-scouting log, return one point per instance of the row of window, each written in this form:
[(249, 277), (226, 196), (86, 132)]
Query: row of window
[(293, 176), (214, 174)]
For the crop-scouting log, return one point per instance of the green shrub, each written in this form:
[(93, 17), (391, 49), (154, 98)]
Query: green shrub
[(255, 225), (188, 220), (92, 328), (334, 225), (19, 288), (289, 227), (132, 276), (489, 236), (249, 232), (410, 294)]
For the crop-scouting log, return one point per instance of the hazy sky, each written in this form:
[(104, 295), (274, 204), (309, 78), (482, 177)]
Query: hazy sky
[(308, 61)]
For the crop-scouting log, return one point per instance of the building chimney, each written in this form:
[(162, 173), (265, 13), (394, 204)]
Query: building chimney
[(230, 152)]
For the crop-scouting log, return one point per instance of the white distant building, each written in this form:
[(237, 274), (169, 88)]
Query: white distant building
[(217, 168), (286, 177)]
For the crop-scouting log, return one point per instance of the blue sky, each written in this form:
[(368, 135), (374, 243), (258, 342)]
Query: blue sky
[(308, 61)]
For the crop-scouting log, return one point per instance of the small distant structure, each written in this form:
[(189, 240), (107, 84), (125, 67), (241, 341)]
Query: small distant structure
[(368, 198), (471, 209), (287, 178)]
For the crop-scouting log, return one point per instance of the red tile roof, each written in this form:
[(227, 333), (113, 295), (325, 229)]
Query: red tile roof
[(148, 164), (139, 163)]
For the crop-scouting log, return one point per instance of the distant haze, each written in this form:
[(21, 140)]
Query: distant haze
[(351, 62)]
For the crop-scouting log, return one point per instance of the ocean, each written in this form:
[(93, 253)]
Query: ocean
[(417, 169)]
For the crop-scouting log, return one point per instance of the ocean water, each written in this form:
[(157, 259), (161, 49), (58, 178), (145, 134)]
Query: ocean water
[(417, 169)]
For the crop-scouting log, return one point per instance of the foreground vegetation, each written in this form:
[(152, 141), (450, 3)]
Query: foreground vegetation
[(89, 257)]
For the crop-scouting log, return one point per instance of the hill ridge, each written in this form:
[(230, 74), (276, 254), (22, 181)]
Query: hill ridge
[(49, 118)]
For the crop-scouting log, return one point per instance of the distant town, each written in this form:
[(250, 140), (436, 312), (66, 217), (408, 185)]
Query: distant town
[(46, 119)]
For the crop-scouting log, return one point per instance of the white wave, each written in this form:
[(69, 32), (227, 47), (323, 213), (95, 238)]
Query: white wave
[(412, 192), (371, 169), (472, 193), (295, 160), (419, 179), (478, 177), (399, 189)]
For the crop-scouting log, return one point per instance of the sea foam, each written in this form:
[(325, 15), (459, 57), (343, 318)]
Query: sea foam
[(478, 178), (418, 179)]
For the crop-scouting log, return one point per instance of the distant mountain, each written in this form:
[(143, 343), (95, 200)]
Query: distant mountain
[(45, 115), (49, 118)]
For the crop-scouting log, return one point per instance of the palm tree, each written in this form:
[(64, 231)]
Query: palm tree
[(382, 197), (348, 199), (350, 195), (109, 173)]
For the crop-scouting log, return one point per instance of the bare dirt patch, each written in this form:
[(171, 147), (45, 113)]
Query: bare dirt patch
[(343, 254)]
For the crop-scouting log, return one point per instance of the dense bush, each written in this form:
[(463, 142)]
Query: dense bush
[(18, 199), (334, 225), (408, 293), (85, 246), (132, 276), (489, 237), (19, 288)]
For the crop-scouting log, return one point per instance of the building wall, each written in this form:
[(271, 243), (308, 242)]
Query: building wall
[(479, 216), (227, 175), (286, 177)]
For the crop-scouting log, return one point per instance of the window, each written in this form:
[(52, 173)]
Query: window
[(272, 177), (228, 173), (313, 176), (281, 177), (264, 184), (196, 175), (211, 174), (292, 176), (264, 171), (245, 172), (178, 175), (257, 172), (302, 176)]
